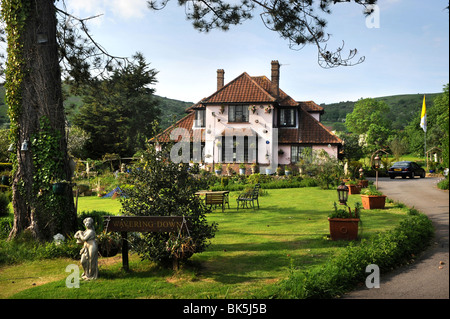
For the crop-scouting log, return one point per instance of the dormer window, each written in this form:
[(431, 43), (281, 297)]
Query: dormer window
[(286, 117), (238, 113), (200, 118)]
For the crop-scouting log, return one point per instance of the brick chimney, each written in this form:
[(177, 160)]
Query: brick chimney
[(275, 79), (220, 79)]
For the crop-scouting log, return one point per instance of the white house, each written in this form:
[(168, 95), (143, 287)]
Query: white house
[(250, 119)]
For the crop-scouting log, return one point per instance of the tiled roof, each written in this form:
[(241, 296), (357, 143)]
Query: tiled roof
[(186, 123), (248, 89), (310, 131), (311, 106), (284, 99), (243, 89)]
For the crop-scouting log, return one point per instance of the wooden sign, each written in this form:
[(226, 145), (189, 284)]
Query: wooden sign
[(144, 223), (124, 224)]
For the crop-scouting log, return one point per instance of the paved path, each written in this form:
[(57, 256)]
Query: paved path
[(427, 278)]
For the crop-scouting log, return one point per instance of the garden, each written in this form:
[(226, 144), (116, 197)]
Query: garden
[(281, 250)]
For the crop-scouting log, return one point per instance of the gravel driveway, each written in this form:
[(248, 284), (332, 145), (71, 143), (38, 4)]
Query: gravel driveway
[(427, 278)]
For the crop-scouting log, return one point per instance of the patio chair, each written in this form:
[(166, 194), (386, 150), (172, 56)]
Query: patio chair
[(249, 197)]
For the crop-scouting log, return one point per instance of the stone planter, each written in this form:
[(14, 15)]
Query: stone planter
[(353, 189), (373, 201), (363, 183), (344, 228)]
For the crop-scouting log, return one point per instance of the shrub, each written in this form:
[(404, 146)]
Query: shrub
[(308, 182), (97, 216), (68, 248), (4, 203), (164, 188), (25, 247), (6, 224), (443, 184)]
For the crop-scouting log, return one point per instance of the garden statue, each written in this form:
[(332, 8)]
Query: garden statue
[(89, 252)]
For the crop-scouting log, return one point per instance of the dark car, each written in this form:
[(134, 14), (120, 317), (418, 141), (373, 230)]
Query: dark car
[(406, 168)]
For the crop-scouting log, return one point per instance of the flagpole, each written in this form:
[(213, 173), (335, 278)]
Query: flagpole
[(425, 149), (423, 125)]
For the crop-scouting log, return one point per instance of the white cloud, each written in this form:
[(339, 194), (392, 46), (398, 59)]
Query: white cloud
[(128, 9), (118, 9)]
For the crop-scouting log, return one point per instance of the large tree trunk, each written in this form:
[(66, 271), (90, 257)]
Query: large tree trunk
[(36, 208)]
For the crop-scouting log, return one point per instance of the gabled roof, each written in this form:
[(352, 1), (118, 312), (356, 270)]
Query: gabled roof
[(311, 106), (248, 89), (243, 89), (185, 123), (310, 131), (283, 98)]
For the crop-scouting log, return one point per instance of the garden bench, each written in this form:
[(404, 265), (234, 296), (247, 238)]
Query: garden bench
[(249, 197), (217, 198)]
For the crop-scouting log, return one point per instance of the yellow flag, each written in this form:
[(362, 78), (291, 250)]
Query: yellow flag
[(423, 116)]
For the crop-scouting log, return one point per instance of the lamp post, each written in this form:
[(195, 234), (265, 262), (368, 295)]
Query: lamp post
[(376, 164), (342, 193)]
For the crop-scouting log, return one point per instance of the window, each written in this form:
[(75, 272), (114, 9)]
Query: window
[(299, 153), (199, 118), (286, 117), (197, 152), (239, 149), (237, 113)]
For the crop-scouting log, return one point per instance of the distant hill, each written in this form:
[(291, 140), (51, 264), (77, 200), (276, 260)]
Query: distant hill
[(403, 108), (170, 108)]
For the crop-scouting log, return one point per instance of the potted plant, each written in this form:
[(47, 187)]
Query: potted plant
[(242, 168), (288, 170), (109, 243), (230, 170), (59, 187), (5, 179), (218, 169), (353, 187), (180, 248), (371, 198), (280, 171), (344, 224), (255, 168), (363, 183)]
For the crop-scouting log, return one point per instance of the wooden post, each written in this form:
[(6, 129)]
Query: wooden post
[(125, 264)]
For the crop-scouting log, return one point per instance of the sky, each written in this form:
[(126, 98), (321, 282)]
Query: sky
[(406, 49)]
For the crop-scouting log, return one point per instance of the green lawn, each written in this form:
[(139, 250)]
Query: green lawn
[(252, 251), (90, 203)]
